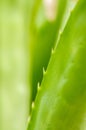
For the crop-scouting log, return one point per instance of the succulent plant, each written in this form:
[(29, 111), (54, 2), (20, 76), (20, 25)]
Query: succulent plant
[(43, 65), (43, 34), (61, 100), (44, 31)]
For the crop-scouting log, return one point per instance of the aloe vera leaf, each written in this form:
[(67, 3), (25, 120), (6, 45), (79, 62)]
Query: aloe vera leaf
[(45, 40), (61, 102), (70, 6), (43, 34), (14, 91)]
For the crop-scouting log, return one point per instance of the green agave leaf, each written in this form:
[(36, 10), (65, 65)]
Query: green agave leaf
[(43, 35), (14, 91), (61, 101)]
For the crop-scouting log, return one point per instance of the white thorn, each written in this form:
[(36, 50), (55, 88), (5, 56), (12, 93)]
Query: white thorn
[(29, 119), (60, 32), (33, 105), (52, 51), (44, 72), (38, 86)]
